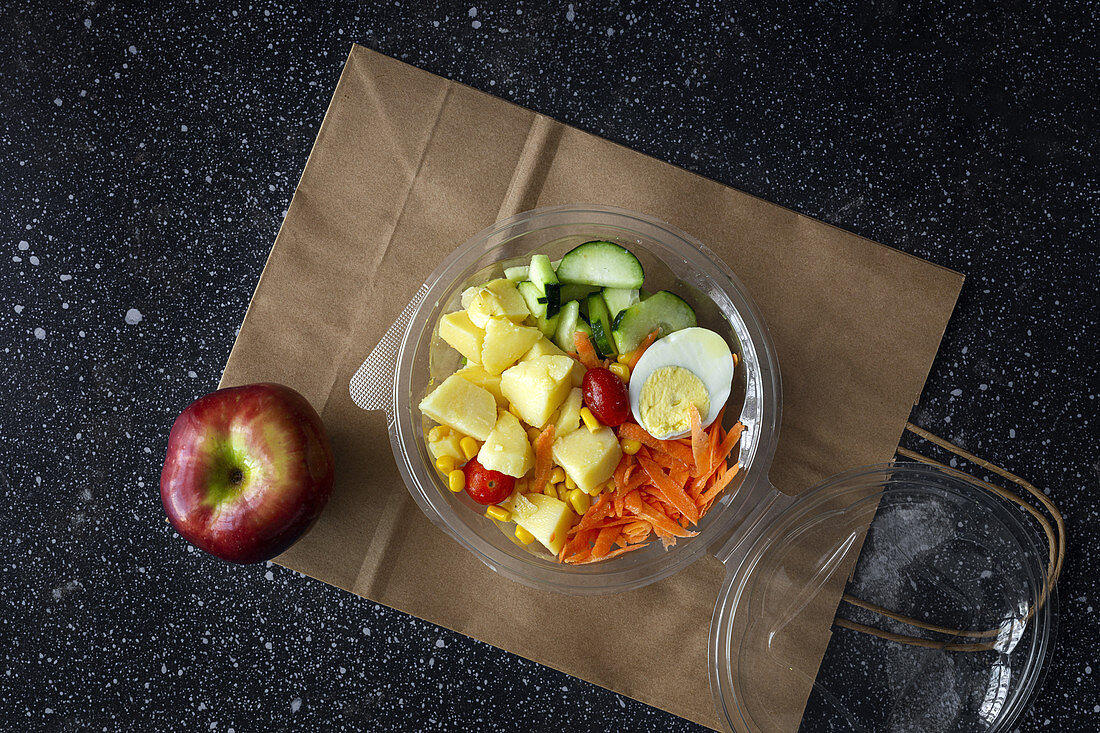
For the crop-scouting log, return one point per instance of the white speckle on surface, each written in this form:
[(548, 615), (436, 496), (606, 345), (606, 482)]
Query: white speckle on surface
[(133, 50), (58, 101), (476, 24), (18, 309), (183, 128), (956, 392), (191, 373), (570, 14), (34, 260), (270, 575), (87, 22), (473, 12), (24, 244), (66, 278), (40, 333), (440, 643), (133, 316), (295, 704)]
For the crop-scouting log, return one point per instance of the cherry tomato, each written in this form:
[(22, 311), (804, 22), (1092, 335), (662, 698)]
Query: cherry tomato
[(606, 396), (485, 486)]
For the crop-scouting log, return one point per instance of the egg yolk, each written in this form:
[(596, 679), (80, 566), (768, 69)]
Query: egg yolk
[(667, 397)]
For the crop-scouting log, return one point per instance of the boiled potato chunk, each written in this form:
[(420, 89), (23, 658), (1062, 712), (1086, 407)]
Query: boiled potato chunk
[(448, 446), (507, 448), (494, 298), (476, 374), (460, 332), (537, 387), (505, 342), (546, 347), (521, 507), (462, 406), (512, 304), (543, 347), (569, 417), (588, 458), (549, 523)]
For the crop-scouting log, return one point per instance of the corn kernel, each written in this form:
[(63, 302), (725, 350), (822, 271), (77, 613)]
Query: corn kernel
[(570, 483), (622, 371), (557, 475), (630, 447), (579, 501), (533, 434), (625, 358), (524, 536), (439, 432), (590, 420), (445, 464), (456, 480), (549, 490), (469, 447), (498, 513)]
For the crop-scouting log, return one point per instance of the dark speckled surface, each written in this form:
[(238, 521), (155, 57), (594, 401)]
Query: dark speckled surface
[(148, 157)]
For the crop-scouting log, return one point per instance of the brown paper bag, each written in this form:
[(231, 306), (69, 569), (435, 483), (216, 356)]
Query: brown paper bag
[(405, 168)]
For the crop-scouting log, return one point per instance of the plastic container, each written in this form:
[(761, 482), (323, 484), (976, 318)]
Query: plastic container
[(780, 552)]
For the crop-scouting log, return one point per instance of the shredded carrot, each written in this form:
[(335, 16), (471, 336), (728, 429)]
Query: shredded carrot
[(655, 517), (582, 556), (604, 540), (614, 553), (586, 351), (672, 449), (719, 486), (598, 511), (672, 492), (544, 461), (622, 471), (661, 491), (698, 446), (646, 343), (609, 522), (575, 544)]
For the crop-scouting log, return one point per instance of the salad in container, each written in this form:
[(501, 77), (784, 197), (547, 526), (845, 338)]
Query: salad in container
[(588, 400)]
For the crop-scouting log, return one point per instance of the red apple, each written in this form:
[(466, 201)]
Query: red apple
[(247, 472)]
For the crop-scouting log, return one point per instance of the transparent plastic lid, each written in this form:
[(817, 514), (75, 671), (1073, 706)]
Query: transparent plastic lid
[(953, 577)]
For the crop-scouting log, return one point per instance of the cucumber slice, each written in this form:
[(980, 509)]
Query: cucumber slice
[(605, 264), (600, 319), (619, 299), (552, 299), (542, 272), (569, 320), (531, 295), (515, 274), (570, 291), (662, 310)]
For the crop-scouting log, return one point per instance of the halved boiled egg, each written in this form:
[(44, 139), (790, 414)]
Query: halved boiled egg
[(690, 366)]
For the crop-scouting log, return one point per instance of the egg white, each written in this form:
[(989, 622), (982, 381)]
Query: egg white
[(699, 350)]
